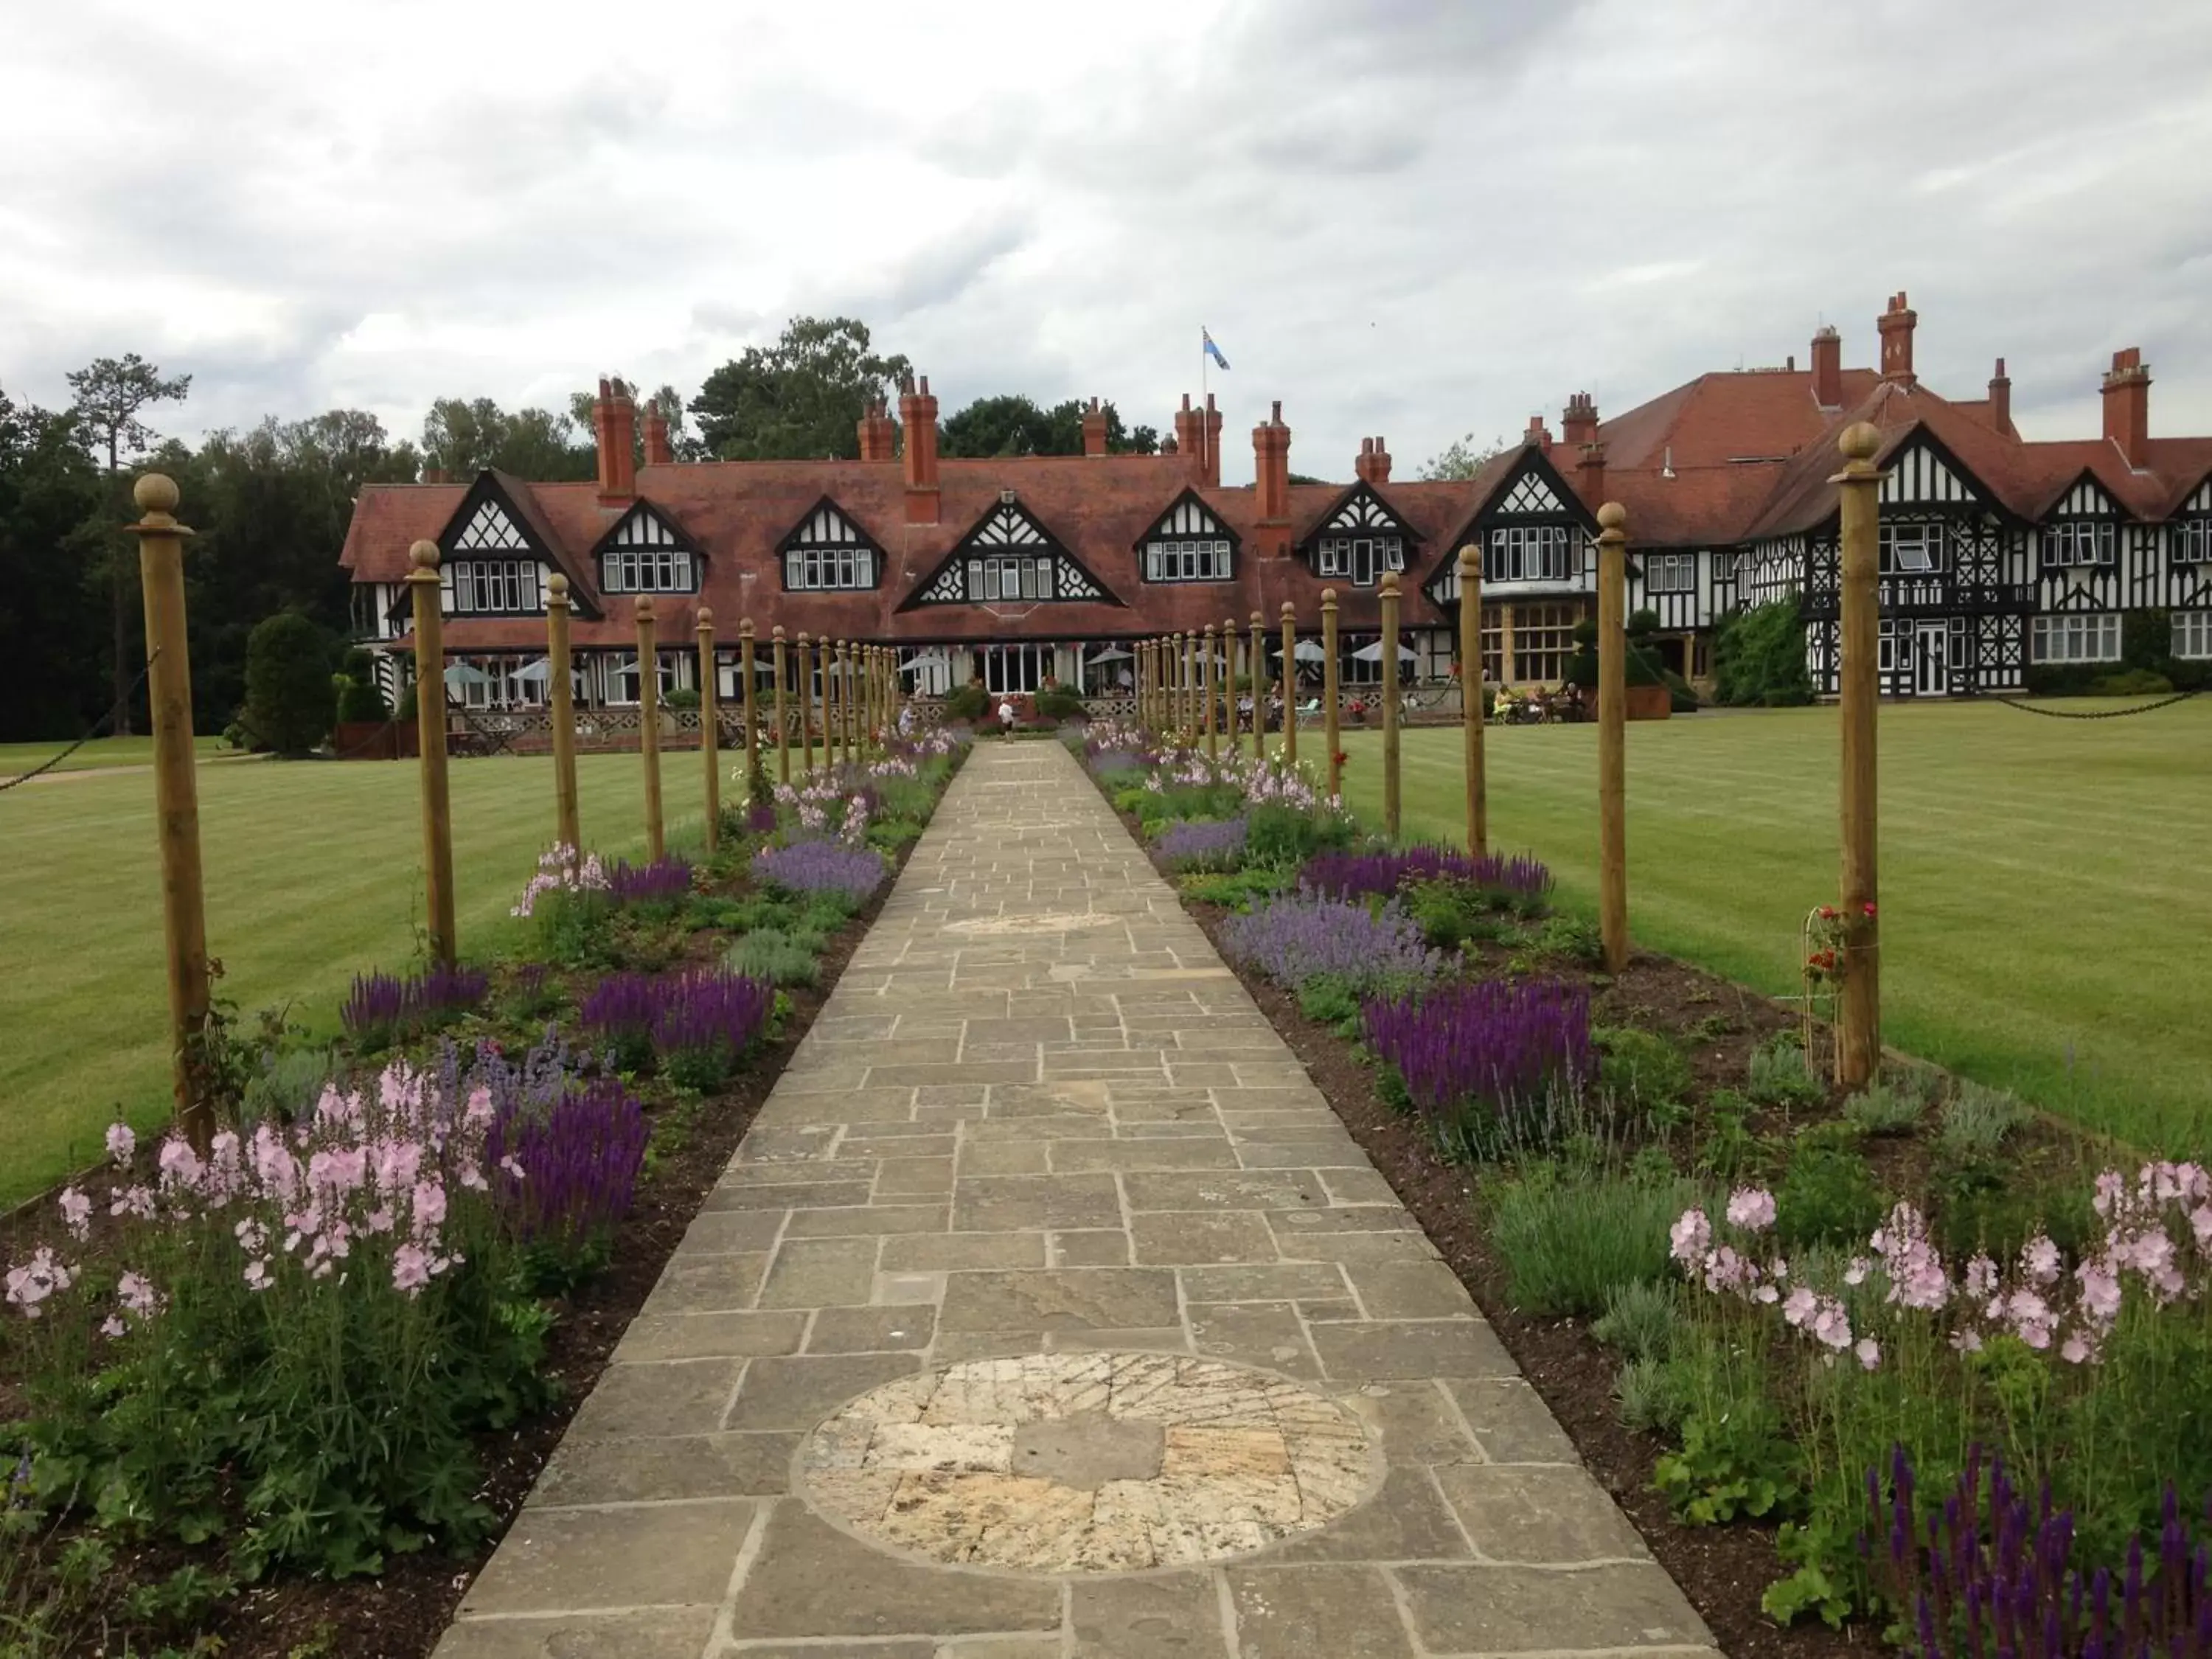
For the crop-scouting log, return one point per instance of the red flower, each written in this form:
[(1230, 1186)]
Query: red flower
[(1870, 906), (1341, 757), (1827, 913)]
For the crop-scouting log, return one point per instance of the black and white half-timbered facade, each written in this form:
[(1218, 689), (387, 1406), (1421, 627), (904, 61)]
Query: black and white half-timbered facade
[(2000, 558)]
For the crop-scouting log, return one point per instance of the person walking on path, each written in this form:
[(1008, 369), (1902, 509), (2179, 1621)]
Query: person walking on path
[(1006, 717)]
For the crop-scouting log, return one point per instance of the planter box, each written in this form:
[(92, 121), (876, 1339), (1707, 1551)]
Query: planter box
[(375, 740), (1650, 702)]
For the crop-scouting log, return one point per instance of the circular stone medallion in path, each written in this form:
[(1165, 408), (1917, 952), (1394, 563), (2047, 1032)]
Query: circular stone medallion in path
[(1087, 1463)]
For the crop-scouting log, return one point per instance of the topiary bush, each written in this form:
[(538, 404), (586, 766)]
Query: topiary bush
[(288, 684), (1758, 658)]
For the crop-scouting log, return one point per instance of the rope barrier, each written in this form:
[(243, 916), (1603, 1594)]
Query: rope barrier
[(97, 726), (2096, 714)]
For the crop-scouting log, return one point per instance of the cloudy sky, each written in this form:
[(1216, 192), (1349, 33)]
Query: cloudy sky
[(1418, 218)]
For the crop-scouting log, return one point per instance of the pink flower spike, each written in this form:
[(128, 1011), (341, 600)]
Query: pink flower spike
[(121, 1143), (1751, 1208), (76, 1213), (1869, 1353)]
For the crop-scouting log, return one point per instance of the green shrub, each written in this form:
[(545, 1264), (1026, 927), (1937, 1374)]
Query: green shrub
[(772, 954), (361, 700), (1060, 702), (1570, 1238), (1985, 1203), (889, 835), (1329, 999), (1650, 1395), (1736, 1460), (287, 683), (1885, 1108), (1642, 1069), (1275, 834), (1572, 937), (1979, 1118), (970, 702), (684, 697), (1781, 1075), (285, 1088), (1758, 658), (1236, 890), (1827, 1196), (2130, 682), (1639, 1320)]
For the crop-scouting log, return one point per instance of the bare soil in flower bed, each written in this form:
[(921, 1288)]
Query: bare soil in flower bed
[(401, 1613)]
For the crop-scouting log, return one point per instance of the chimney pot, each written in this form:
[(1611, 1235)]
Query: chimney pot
[(1895, 327), (1094, 429), (2127, 407), (2001, 401), (1827, 369), (615, 425)]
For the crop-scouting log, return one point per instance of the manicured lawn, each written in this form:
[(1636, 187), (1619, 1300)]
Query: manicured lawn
[(100, 753), (313, 872), (2046, 884)]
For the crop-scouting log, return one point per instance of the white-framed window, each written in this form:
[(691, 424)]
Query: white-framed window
[(1671, 573), (2075, 638), (1533, 553), (1010, 576), (2081, 542), (1725, 566), (1187, 560), (1359, 560), (2192, 633), (647, 570), (1016, 667), (468, 586), (1911, 549), (811, 568), (2191, 541)]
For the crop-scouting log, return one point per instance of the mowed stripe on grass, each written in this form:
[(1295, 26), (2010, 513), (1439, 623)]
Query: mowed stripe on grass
[(2046, 911), (314, 872)]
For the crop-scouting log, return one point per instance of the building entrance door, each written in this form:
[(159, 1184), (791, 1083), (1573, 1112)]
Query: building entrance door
[(1931, 660)]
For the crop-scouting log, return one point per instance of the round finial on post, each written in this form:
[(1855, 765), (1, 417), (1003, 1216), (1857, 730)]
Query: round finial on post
[(802, 635), (1259, 620), (1390, 583), (1468, 560), (155, 492), (1290, 612), (1328, 598), (1228, 624), (556, 588), (643, 608), (706, 622), (1613, 517), (1860, 441), (777, 632), (423, 555), (744, 628)]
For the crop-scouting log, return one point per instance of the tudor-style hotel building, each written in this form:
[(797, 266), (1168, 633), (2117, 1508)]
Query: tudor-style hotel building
[(1996, 552)]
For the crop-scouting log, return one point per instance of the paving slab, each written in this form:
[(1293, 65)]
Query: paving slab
[(1048, 1312)]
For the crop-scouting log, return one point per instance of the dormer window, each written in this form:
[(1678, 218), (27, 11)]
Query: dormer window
[(2193, 541), (828, 552), (1533, 553), (644, 554), (1189, 544), (1008, 557), (1359, 539), (2077, 542), (476, 587)]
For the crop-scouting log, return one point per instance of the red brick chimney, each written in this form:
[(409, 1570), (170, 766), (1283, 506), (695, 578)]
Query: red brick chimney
[(1190, 440), (918, 413), (2127, 407), (1094, 429), (1895, 324), (1213, 442), (1579, 422), (657, 450), (2001, 401), (1271, 474), (614, 418), (1590, 475), (1828, 368), (1538, 433), (1373, 466), (878, 433)]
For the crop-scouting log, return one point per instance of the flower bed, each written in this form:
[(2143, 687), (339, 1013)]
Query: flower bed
[(1936, 1268), (464, 1224)]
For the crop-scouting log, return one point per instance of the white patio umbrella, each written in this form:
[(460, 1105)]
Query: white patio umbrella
[(1310, 651), (466, 673), (1374, 652), (534, 671), (1111, 653)]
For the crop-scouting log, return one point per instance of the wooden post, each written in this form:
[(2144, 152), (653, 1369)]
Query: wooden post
[(561, 693), (710, 737), (1858, 999), (1332, 732), (782, 715), (648, 726), (1390, 814), (1289, 685), (848, 697), (1470, 697), (1259, 654), (1612, 727), (430, 725), (805, 704), (176, 796), (1228, 719), (1212, 732), (745, 688)]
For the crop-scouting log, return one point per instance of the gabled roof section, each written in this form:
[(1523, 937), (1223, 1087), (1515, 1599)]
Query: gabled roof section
[(644, 524), (499, 515), (1189, 515), (1006, 526), (2085, 498), (1360, 510), (828, 525), (1520, 483)]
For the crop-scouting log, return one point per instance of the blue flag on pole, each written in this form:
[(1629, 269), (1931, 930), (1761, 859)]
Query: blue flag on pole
[(1211, 349)]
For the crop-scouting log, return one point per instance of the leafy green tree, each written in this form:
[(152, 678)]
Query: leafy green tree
[(463, 436), (108, 393), (288, 684), (1462, 459), (52, 508), (801, 398), (1759, 656), (1012, 424)]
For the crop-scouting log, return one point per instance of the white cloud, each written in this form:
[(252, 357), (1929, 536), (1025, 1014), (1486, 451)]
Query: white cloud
[(1416, 218)]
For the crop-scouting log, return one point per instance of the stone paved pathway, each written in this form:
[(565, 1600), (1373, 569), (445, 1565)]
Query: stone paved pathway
[(1048, 1312)]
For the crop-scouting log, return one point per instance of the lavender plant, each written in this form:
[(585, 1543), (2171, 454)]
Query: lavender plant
[(810, 868), (1201, 844), (1486, 1063), (1298, 936)]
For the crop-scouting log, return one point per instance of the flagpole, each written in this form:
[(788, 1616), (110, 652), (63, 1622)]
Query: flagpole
[(1205, 426)]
